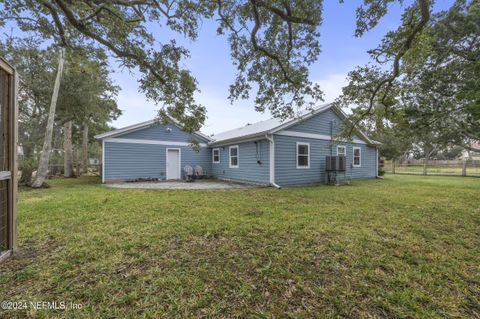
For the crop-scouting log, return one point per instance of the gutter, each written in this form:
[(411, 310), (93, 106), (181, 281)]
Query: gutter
[(239, 139), (272, 161)]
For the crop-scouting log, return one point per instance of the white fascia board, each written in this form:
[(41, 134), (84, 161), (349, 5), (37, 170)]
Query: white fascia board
[(154, 142), (124, 129), (239, 140), (314, 136), (359, 131), (138, 126)]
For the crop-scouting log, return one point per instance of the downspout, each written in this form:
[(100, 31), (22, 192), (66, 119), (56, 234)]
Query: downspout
[(272, 161), (103, 160), (331, 136)]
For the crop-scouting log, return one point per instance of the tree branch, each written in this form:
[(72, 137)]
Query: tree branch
[(119, 52), (58, 23), (257, 47), (284, 16), (425, 17)]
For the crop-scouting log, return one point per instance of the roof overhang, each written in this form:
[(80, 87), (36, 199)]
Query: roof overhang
[(272, 130), (248, 137), (139, 126), (292, 122), (244, 138)]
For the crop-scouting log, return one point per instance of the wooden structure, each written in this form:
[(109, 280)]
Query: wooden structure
[(8, 159)]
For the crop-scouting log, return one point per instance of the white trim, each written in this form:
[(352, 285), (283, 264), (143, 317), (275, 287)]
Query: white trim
[(230, 157), (314, 136), (359, 131), (125, 129), (103, 161), (243, 139), (308, 158), (344, 150), (179, 162), (213, 155), (254, 136), (139, 141), (353, 156), (139, 126), (376, 161)]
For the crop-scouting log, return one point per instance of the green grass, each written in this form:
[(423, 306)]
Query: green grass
[(406, 246)]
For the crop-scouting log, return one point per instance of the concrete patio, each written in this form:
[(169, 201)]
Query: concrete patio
[(197, 184)]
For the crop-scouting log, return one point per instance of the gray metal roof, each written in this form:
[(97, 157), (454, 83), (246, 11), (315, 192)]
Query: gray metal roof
[(265, 127), (245, 132), (142, 125), (248, 130)]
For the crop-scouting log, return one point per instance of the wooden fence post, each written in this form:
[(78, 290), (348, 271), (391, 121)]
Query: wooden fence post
[(464, 168), (425, 163), (393, 166)]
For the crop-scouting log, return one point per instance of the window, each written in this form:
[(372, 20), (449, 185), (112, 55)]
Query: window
[(341, 150), (233, 150), (357, 157), (216, 155), (303, 155)]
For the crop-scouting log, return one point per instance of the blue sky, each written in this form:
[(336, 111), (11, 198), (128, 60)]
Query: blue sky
[(211, 65)]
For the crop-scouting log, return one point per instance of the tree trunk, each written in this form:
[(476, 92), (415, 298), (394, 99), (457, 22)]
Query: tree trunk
[(78, 161), (68, 150), (47, 143), (85, 148)]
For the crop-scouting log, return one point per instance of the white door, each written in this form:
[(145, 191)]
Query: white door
[(173, 163)]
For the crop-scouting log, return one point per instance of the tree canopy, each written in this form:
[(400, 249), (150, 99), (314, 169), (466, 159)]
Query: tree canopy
[(435, 82), (87, 95), (272, 44)]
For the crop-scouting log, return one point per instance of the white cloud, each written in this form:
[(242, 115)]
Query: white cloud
[(135, 108), (221, 115), (332, 85)]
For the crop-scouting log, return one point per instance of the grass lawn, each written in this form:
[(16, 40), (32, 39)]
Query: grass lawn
[(406, 246)]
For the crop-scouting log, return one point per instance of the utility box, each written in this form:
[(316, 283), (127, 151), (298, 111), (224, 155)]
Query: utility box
[(8, 158), (335, 169), (335, 163)]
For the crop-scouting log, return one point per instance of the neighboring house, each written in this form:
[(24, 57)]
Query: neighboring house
[(269, 152), (93, 161), (471, 155)]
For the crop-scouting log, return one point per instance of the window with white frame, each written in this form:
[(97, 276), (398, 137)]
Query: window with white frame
[(357, 157), (234, 156), (341, 150), (216, 155), (303, 155)]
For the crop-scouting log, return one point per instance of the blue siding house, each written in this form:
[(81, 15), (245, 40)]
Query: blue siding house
[(270, 152)]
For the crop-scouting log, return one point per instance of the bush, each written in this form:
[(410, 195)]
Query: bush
[(381, 172)]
